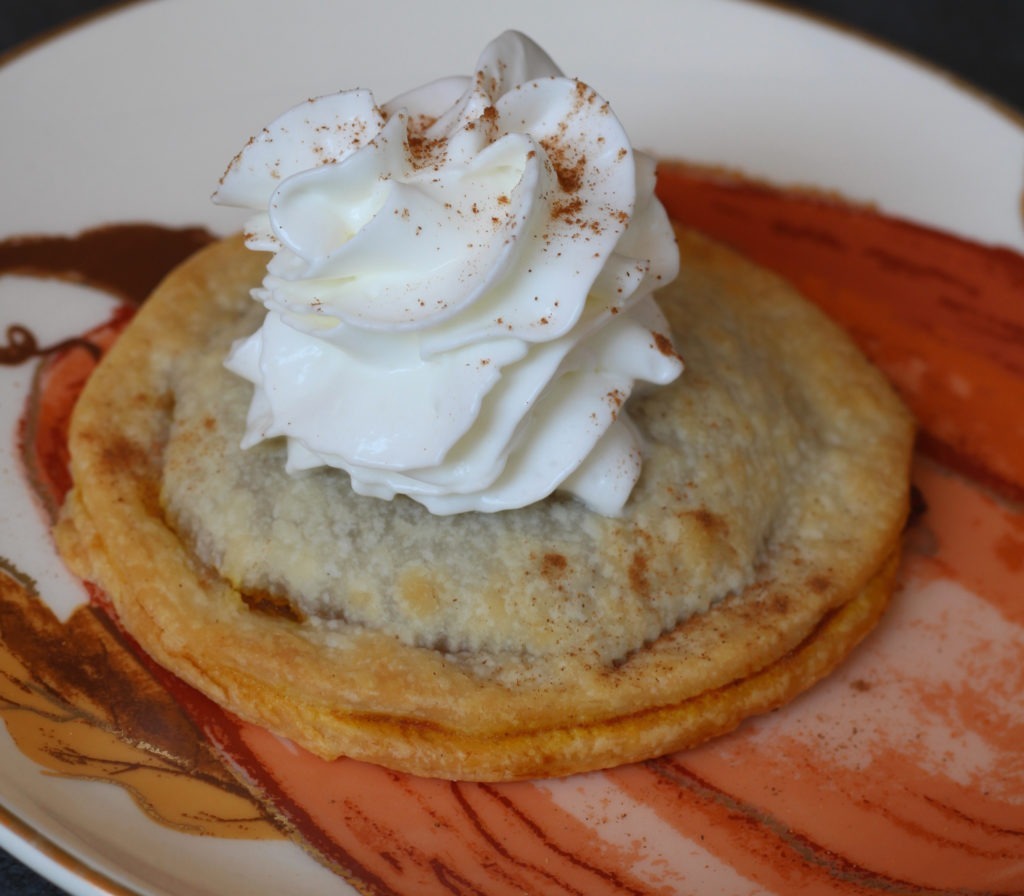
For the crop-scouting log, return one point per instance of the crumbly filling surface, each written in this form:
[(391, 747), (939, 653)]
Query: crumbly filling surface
[(730, 446)]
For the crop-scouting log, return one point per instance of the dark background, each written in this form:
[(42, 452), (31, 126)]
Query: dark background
[(982, 41), (979, 41)]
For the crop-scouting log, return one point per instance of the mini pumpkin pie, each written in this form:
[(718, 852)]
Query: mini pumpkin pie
[(758, 546)]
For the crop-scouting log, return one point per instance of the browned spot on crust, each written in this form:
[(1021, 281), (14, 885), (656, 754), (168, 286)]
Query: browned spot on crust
[(419, 593), (778, 604), (123, 457), (638, 574), (819, 584), (712, 522), (271, 604), (553, 566), (403, 724)]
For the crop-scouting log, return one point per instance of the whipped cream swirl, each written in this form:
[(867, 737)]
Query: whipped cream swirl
[(459, 301)]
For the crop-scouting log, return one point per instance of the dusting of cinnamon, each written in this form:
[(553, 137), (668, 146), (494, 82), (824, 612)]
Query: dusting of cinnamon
[(425, 152), (567, 165), (664, 345), (568, 210), (615, 400)]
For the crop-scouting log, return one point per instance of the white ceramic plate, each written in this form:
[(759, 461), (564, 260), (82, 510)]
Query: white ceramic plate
[(133, 116)]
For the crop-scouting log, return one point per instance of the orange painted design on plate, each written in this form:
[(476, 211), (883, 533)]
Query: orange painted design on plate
[(942, 316)]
